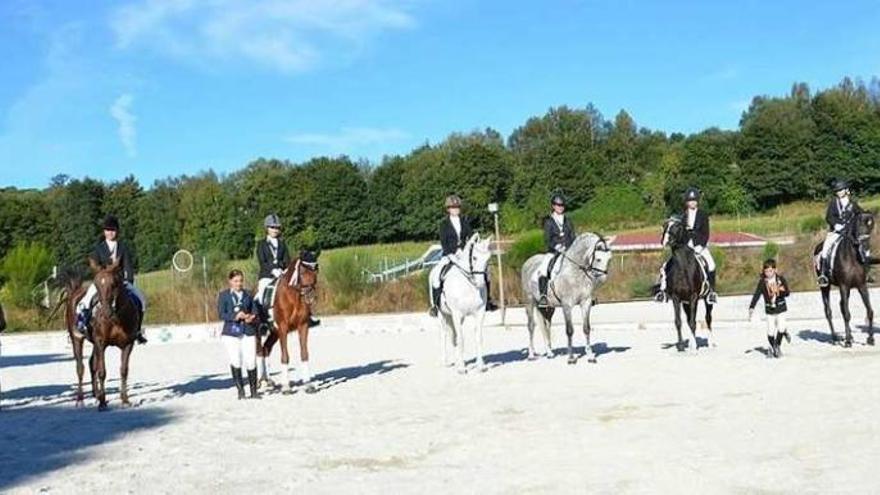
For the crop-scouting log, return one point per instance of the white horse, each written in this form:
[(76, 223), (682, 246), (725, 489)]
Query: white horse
[(579, 271), (464, 294)]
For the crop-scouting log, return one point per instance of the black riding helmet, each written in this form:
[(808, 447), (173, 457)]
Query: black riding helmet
[(110, 223), (839, 185), (691, 194), (557, 199)]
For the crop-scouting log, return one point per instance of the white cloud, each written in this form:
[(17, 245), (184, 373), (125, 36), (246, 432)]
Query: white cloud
[(121, 112), (723, 74), (285, 35), (348, 138)]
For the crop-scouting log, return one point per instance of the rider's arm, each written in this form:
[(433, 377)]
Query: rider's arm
[(784, 283), (548, 235), (447, 242), (284, 260), (701, 232), (224, 307), (127, 265), (263, 257), (759, 290), (832, 216)]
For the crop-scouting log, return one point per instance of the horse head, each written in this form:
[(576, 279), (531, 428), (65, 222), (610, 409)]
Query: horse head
[(674, 232), (590, 252), (478, 254), (108, 282), (862, 226), (305, 277)]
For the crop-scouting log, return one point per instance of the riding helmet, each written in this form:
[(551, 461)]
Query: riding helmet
[(453, 201), (839, 185), (691, 194), (110, 223), (557, 199), (272, 220)]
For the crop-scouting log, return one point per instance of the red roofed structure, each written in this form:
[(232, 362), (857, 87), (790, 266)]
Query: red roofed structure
[(651, 242)]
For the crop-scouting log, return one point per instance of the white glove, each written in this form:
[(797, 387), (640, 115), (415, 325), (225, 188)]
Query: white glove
[(751, 314), (559, 248), (699, 249), (838, 227), (277, 272)]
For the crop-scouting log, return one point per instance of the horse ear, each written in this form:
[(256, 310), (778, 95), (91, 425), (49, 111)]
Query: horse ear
[(115, 266), (94, 265)]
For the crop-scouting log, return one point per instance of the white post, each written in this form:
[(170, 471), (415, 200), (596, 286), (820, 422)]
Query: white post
[(205, 278), (493, 207)]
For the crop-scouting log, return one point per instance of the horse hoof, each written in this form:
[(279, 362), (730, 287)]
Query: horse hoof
[(126, 404), (592, 360), (572, 360), (461, 371), (311, 389), (102, 407), (532, 357), (286, 390), (847, 344), (871, 340)]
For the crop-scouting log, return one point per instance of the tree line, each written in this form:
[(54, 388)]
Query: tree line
[(786, 148)]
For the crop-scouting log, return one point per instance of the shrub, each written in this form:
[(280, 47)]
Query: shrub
[(529, 244), (613, 206), (719, 256), (812, 224), (641, 286), (23, 268), (771, 250), (514, 220), (344, 275)]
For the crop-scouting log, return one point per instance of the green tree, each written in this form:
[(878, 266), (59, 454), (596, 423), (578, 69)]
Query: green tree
[(158, 225), (77, 213)]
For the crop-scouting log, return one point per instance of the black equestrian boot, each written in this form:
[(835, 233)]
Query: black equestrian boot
[(238, 380), (779, 336), (774, 350), (140, 336), (490, 304), (435, 301), (823, 279), (713, 296), (313, 322), (542, 289), (252, 382)]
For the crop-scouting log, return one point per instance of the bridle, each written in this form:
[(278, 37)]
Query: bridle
[(307, 291), (470, 273), (590, 269)]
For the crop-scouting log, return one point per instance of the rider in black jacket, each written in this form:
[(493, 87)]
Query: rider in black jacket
[(558, 236), (841, 210)]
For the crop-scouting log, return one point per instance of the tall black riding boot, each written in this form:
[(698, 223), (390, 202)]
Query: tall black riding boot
[(435, 301), (774, 347), (779, 336), (713, 296), (824, 276), (140, 336), (252, 382), (542, 289), (490, 304), (238, 380)]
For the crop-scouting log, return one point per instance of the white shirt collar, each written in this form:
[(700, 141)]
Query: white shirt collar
[(272, 240), (456, 223), (558, 217)]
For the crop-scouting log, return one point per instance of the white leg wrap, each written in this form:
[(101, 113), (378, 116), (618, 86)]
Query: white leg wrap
[(305, 373), (86, 301)]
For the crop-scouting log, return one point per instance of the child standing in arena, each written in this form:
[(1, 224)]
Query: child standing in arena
[(773, 286)]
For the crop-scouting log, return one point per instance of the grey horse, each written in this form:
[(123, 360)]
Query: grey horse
[(579, 271)]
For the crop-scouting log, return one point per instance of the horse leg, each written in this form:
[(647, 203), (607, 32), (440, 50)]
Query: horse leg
[(93, 374), (569, 333), (285, 360), (844, 309), (123, 374), (711, 338), (586, 309), (866, 300), (101, 372), (676, 308), (691, 312), (305, 373), (458, 324), (530, 324), (265, 353), (826, 301), (478, 331), (545, 328), (80, 368)]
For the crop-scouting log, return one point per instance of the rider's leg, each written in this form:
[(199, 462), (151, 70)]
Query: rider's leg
[(143, 302), (84, 307), (660, 288), (710, 268), (542, 290), (434, 282), (824, 265), (542, 277)]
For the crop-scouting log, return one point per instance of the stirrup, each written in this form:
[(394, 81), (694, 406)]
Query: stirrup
[(660, 297), (712, 297), (433, 312), (823, 281)]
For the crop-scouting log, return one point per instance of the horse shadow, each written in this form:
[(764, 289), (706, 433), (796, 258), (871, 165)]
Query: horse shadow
[(333, 378), (34, 446), (599, 349), (33, 360), (56, 395), (204, 383), (701, 342), (502, 358), (762, 350), (814, 335)]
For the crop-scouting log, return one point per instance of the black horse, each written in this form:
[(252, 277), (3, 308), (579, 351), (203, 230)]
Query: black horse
[(850, 269), (686, 282)]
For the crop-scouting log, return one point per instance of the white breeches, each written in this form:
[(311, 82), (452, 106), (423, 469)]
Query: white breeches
[(86, 301), (828, 243), (544, 267), (242, 351), (434, 275), (704, 253), (775, 324), (261, 286)]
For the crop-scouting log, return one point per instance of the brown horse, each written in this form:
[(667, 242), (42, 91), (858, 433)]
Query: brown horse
[(73, 286), (295, 293), (114, 323)]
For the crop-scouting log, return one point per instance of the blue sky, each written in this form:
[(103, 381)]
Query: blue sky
[(161, 87)]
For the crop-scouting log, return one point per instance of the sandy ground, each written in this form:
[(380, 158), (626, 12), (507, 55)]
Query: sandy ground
[(389, 419)]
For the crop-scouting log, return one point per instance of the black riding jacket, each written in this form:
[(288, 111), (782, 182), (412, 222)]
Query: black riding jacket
[(761, 289), (449, 239), (269, 259), (699, 234), (840, 215), (103, 257), (554, 235)]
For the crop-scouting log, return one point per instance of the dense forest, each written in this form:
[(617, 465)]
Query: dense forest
[(785, 149)]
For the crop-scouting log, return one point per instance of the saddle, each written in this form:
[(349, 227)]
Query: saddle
[(444, 271), (268, 301)]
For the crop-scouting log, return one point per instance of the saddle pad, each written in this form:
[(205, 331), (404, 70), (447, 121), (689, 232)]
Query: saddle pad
[(268, 300)]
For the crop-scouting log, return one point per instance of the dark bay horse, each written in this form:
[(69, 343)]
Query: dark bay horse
[(685, 281), (73, 287), (114, 323), (295, 293), (850, 270)]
